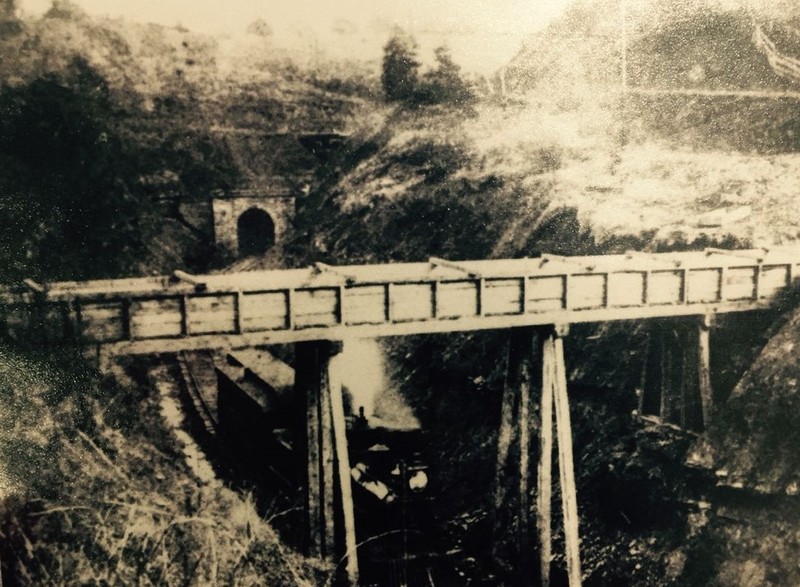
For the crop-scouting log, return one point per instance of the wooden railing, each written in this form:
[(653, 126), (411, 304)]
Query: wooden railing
[(181, 312)]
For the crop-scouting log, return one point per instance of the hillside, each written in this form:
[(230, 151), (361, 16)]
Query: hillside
[(183, 102), (243, 82), (703, 44)]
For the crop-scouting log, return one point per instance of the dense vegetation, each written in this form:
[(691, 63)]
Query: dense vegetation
[(80, 174)]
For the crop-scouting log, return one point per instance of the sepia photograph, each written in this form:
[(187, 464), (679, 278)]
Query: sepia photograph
[(434, 293)]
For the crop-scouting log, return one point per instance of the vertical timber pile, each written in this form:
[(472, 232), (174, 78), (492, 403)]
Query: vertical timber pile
[(319, 387), (515, 424), (528, 348), (555, 399), (704, 368), (676, 370)]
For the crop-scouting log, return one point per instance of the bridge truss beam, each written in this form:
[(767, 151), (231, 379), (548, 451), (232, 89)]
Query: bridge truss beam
[(163, 314)]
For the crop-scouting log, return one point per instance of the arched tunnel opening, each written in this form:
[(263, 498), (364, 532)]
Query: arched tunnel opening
[(255, 232)]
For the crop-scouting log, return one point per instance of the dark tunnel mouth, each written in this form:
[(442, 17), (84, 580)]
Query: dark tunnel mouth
[(255, 230)]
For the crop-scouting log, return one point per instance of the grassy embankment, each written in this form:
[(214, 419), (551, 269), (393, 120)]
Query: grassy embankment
[(96, 490)]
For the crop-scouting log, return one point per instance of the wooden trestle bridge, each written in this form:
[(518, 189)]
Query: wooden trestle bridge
[(318, 306)]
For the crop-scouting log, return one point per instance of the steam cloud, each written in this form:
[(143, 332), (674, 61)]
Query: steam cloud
[(362, 365)]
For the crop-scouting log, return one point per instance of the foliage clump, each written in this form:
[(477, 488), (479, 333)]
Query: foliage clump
[(403, 84), (81, 176)]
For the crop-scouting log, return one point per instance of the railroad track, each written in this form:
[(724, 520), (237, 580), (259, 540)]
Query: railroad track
[(199, 381)]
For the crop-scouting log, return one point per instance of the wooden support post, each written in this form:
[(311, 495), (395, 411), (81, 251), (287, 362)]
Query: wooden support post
[(555, 402), (704, 372), (643, 380), (665, 411), (515, 423), (327, 352), (569, 493), (524, 424), (544, 494), (685, 383), (505, 437), (312, 361), (334, 390), (318, 381)]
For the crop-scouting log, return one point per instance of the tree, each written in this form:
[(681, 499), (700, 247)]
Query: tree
[(444, 85), (399, 76)]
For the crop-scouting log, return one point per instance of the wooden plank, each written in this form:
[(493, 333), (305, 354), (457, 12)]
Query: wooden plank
[(159, 286), (412, 301), (773, 279), (311, 380), (364, 304), (739, 283), (316, 307), (704, 285), (307, 387), (156, 318), (327, 461), (103, 321), (264, 311), (34, 286), (587, 291), (184, 317), (207, 314), (665, 379), (502, 296), (428, 327), (665, 287), (237, 309), (545, 294), (626, 288), (643, 380), (566, 467), (457, 299), (436, 261)]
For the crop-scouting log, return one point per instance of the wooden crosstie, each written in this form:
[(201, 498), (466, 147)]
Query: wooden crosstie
[(316, 307)]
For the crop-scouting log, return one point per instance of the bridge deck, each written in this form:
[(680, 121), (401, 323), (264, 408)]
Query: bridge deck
[(169, 313)]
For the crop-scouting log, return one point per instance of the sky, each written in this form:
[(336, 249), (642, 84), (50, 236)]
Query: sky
[(482, 34)]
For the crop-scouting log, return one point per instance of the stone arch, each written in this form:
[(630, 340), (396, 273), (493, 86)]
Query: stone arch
[(255, 231), (228, 209)]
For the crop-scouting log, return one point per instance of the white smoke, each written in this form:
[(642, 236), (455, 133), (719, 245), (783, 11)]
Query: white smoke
[(362, 368)]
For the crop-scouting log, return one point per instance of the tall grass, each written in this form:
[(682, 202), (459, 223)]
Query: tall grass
[(96, 492)]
